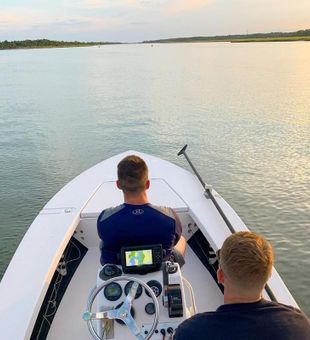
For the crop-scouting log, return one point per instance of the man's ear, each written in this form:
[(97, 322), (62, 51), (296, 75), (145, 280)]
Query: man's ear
[(118, 184), (220, 276), (147, 184)]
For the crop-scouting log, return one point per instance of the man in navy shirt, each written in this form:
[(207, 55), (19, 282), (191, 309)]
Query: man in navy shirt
[(245, 265), (136, 221)]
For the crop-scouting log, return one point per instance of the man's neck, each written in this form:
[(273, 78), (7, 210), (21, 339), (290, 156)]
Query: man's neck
[(136, 199), (240, 299), (235, 296)]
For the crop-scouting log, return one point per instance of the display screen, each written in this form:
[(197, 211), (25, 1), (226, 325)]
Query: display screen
[(143, 257)]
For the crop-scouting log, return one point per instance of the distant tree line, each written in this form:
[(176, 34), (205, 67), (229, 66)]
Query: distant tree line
[(45, 43), (267, 36), (274, 36)]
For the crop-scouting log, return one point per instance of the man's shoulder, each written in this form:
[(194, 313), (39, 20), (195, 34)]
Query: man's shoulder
[(107, 213), (282, 320), (164, 210), (196, 325), (294, 316), (264, 307), (281, 307), (205, 319)]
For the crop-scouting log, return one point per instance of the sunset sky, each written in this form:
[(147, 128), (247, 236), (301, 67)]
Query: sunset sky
[(137, 20)]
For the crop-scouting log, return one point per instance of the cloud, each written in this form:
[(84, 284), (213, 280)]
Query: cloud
[(90, 24), (42, 21), (179, 6), (21, 18), (134, 20), (163, 6), (104, 4)]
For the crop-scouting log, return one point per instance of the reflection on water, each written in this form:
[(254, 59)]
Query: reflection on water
[(244, 109)]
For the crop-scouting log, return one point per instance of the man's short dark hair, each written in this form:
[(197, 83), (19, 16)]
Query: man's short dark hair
[(132, 174)]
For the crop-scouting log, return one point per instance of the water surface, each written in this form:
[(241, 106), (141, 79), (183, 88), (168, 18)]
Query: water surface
[(244, 110)]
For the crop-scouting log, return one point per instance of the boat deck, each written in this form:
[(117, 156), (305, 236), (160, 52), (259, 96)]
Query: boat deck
[(68, 322), (72, 212)]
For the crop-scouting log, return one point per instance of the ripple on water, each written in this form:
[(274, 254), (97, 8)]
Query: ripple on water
[(243, 110)]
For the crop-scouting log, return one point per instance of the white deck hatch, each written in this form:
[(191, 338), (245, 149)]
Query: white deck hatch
[(108, 195)]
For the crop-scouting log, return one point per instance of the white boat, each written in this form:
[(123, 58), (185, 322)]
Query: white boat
[(46, 287)]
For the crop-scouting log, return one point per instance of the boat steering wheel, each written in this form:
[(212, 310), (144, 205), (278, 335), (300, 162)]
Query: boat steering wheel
[(123, 312)]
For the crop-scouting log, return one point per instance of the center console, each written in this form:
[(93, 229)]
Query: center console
[(165, 280)]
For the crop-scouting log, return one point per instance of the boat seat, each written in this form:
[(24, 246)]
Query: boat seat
[(160, 193)]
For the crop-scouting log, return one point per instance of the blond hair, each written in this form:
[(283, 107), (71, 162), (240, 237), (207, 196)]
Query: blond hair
[(132, 174), (246, 260)]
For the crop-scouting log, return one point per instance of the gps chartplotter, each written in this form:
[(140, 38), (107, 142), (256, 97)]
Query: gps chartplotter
[(141, 259)]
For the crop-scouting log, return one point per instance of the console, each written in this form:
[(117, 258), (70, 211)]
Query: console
[(166, 282)]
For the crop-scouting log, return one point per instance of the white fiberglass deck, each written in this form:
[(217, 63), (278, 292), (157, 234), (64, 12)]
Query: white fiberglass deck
[(68, 323), (74, 209)]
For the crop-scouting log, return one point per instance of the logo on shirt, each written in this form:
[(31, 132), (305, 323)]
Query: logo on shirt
[(138, 212)]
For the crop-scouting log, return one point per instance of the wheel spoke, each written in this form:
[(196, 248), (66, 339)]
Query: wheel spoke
[(132, 325), (108, 314), (132, 292)]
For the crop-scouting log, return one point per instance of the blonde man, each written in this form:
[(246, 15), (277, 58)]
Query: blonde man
[(245, 265), (136, 221)]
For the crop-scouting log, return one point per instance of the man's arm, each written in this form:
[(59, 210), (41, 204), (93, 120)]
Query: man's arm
[(180, 242), (98, 224), (178, 227)]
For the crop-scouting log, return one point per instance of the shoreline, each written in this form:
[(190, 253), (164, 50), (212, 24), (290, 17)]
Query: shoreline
[(45, 43), (237, 40), (256, 38)]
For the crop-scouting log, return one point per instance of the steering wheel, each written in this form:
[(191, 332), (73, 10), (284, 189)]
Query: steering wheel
[(123, 312)]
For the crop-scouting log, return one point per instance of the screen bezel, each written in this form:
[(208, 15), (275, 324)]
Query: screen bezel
[(155, 250)]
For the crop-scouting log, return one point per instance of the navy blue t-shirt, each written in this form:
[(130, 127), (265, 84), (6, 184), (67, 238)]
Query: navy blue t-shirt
[(134, 225), (262, 320)]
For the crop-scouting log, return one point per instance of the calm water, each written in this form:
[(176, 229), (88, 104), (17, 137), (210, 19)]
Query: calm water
[(244, 110)]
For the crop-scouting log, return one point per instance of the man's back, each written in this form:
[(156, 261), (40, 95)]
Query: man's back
[(247, 321), (129, 225)]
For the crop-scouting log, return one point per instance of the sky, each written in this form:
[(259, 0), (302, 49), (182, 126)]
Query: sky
[(139, 20)]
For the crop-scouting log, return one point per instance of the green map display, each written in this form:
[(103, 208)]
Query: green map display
[(139, 257)]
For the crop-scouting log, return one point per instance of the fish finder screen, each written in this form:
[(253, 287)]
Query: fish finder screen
[(139, 257)]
